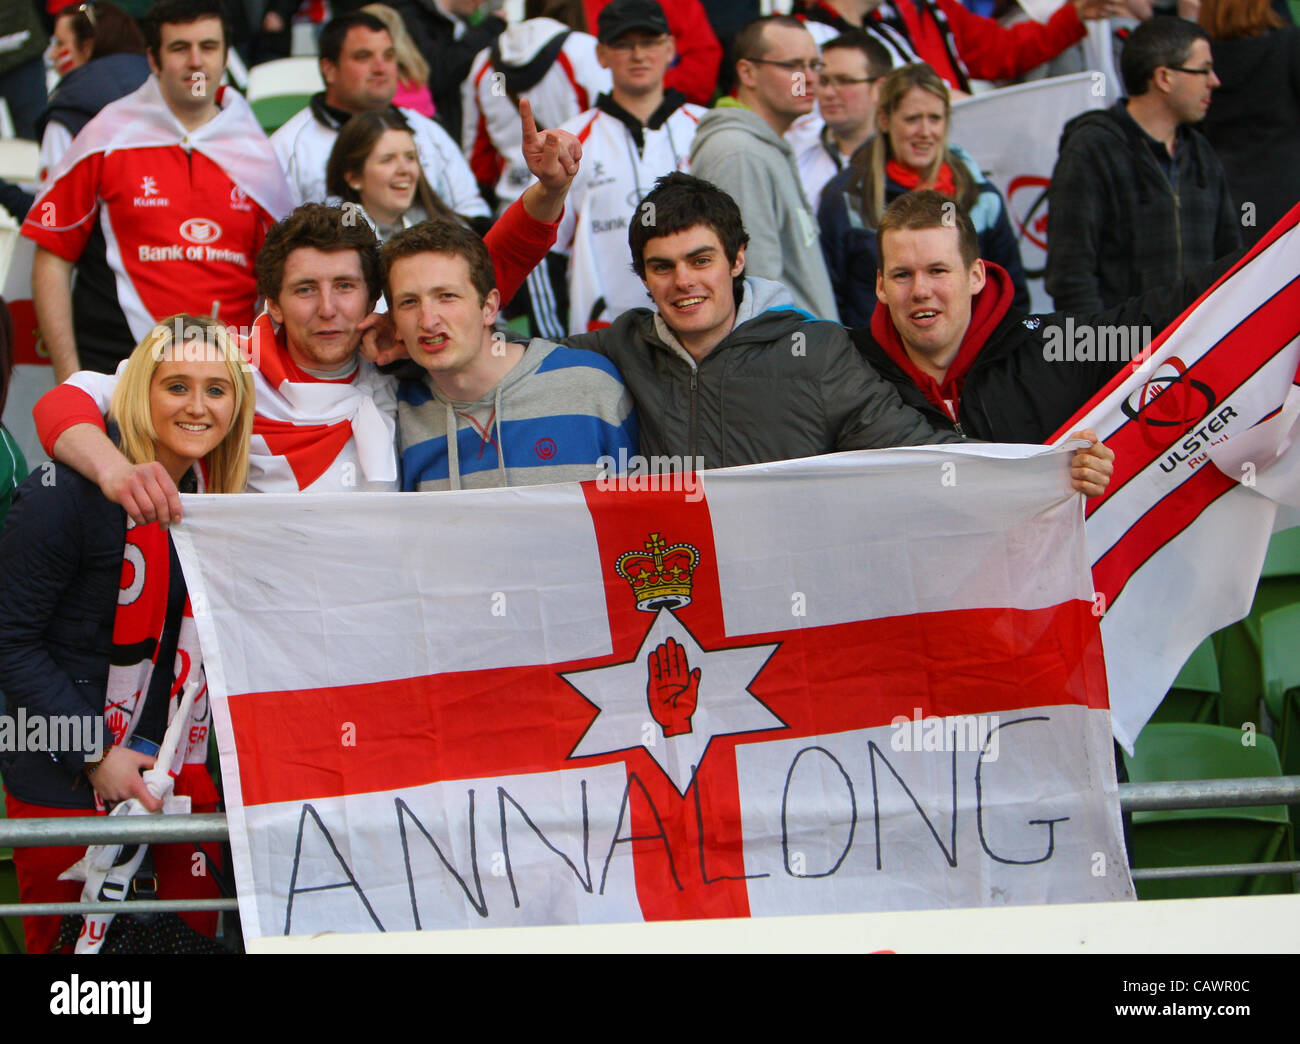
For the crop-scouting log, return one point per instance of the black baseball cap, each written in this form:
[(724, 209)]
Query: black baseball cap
[(623, 16)]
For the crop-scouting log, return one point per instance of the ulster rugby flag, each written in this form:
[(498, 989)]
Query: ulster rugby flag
[(860, 682), (1201, 433)]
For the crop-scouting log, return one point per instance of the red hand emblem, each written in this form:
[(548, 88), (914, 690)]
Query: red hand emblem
[(673, 689)]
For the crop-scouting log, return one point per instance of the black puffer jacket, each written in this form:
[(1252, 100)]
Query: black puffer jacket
[(1017, 390), (1117, 227), (779, 386)]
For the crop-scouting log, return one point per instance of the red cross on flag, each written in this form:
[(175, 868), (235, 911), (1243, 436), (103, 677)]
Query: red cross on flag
[(869, 681)]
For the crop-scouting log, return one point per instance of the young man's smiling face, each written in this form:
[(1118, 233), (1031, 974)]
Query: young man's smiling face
[(928, 289), (322, 299), (690, 280)]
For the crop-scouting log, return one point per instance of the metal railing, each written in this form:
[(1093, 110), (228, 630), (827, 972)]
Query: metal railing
[(97, 830)]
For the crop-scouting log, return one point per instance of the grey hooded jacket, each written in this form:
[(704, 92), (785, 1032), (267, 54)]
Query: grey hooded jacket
[(736, 150), (779, 386)]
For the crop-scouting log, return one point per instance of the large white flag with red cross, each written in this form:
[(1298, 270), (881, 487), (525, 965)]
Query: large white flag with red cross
[(869, 681)]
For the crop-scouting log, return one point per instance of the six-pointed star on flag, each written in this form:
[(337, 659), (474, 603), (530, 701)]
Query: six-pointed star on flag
[(725, 705)]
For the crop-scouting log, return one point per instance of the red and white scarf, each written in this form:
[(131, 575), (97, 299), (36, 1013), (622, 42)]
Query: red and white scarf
[(306, 426), (137, 638)]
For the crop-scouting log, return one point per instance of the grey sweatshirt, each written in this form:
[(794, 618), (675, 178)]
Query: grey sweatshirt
[(736, 150)]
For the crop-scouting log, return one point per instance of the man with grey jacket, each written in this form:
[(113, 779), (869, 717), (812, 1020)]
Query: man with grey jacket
[(739, 147)]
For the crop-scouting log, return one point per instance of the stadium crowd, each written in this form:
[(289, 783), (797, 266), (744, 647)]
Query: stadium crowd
[(595, 225)]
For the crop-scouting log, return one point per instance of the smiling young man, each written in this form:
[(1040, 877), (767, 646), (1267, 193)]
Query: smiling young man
[(724, 370), (739, 147), (359, 66), (946, 334), (1138, 198), (490, 412), (160, 204)]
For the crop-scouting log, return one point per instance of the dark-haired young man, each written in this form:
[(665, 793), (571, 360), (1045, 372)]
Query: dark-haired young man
[(359, 67), (488, 412), (161, 203), (1138, 198)]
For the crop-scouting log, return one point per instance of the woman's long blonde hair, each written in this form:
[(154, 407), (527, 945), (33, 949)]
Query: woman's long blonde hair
[(411, 65), (868, 182), (180, 337)]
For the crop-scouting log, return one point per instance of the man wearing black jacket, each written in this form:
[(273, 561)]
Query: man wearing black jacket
[(946, 335)]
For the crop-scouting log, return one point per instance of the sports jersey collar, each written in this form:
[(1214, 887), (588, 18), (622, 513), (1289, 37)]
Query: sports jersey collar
[(673, 100)]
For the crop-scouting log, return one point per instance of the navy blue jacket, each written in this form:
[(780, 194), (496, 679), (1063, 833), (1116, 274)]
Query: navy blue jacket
[(83, 92), (60, 570)]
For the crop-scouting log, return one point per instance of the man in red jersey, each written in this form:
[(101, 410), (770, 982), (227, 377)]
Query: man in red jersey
[(161, 204)]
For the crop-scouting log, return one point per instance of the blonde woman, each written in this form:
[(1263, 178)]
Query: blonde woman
[(412, 69), (909, 151), (94, 623)]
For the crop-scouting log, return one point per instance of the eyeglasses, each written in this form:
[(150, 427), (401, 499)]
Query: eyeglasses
[(841, 82), (624, 46), (815, 67), (1207, 71)]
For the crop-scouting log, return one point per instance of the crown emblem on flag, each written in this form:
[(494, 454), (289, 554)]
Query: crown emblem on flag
[(661, 575)]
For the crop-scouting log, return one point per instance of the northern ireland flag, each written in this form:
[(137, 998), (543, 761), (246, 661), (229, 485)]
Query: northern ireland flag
[(1202, 426), (869, 681)]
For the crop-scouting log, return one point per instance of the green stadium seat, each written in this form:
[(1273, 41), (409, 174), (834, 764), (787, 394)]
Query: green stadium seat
[(279, 89), (274, 112), (1238, 645), (1279, 639), (1201, 837), (1194, 695)]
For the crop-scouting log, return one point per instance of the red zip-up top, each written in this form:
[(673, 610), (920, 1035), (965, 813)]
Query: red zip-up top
[(988, 308)]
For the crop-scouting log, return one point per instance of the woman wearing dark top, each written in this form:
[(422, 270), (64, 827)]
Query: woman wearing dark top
[(1254, 117), (90, 605)]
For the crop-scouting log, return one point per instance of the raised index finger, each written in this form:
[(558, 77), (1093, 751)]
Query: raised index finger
[(528, 124)]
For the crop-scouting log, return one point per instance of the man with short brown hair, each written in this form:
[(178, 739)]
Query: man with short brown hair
[(946, 334), (359, 66), (487, 411)]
